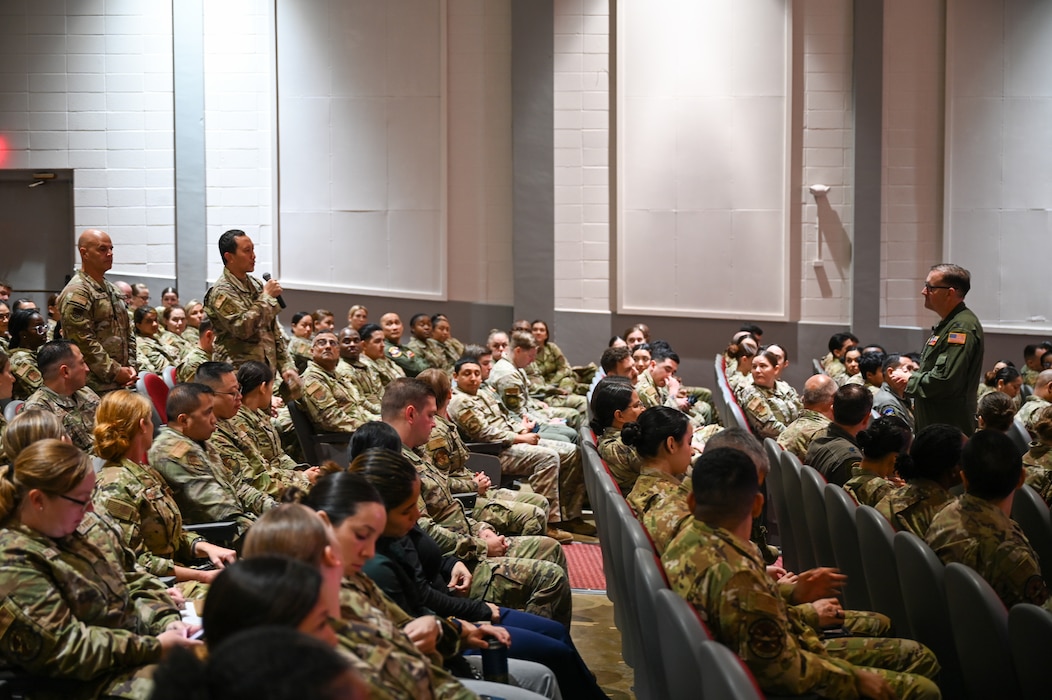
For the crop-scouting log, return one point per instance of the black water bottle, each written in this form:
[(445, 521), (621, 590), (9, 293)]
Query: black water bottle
[(495, 662)]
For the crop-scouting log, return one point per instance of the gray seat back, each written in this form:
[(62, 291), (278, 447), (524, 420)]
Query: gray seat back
[(875, 538)]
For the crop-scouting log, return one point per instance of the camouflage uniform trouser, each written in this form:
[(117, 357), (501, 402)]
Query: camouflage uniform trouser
[(907, 665), (863, 623), (540, 464), (513, 512), (571, 415), (538, 587), (574, 401), (571, 480), (558, 431)]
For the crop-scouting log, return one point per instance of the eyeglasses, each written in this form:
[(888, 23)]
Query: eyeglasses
[(40, 326), (933, 287), (235, 392), (83, 504)]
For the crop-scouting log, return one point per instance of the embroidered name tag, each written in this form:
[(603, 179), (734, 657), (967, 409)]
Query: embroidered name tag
[(955, 338)]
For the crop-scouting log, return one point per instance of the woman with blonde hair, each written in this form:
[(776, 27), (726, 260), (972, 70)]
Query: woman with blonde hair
[(32, 425), (78, 611), (357, 316), (137, 498)]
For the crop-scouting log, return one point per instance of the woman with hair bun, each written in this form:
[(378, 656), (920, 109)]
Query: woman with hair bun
[(77, 609), (933, 468), (995, 411), (884, 445), (662, 436), (615, 403), (138, 499), (32, 425)]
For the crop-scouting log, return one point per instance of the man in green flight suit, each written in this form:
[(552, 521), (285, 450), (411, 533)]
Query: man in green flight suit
[(952, 363)]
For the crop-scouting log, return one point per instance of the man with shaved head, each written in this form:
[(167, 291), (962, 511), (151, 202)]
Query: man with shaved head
[(817, 399), (95, 316)]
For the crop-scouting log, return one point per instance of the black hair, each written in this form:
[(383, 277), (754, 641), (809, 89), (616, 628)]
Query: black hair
[(837, 340), (141, 313), (212, 373), (465, 360), (851, 404), (660, 350), (404, 392), (228, 242), (417, 317), (751, 328), (339, 494), (185, 398), (612, 357), (435, 318), (870, 363), (935, 453), (374, 434), (253, 374), (886, 435), (655, 425), (611, 394), (389, 472), (366, 331), (300, 315), (1005, 374), (725, 486), (52, 354), (992, 465), (997, 409), (742, 440), (19, 324)]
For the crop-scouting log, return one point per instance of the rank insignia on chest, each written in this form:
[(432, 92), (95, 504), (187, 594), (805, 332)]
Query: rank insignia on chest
[(956, 338), (932, 340)]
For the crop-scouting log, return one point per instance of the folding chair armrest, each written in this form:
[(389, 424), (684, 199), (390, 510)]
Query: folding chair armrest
[(333, 438), (486, 448), (467, 500), (218, 532)]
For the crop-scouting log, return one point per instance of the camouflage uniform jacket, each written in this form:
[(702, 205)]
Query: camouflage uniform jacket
[(1030, 410), (650, 394), (347, 375), (834, 368), (95, 319), (329, 402), (866, 487), (913, 506), (3, 429), (260, 429), (401, 355), (482, 417), (1038, 465), (367, 384), (768, 414), (191, 335), (976, 533), (384, 370), (660, 503), (1029, 376), (513, 388), (452, 349), (187, 367), (797, 436), (371, 628), (431, 354), (77, 607), (554, 368), (139, 502), (245, 321), (442, 516), (834, 454), (179, 343), (23, 364), (887, 403), (725, 580), (77, 413), (203, 488), (242, 458), (623, 461), (154, 356), (300, 350), (449, 454)]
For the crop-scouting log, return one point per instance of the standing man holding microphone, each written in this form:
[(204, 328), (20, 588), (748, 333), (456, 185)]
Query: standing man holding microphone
[(244, 313)]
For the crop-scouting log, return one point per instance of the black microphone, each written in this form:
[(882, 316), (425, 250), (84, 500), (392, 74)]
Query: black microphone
[(266, 278)]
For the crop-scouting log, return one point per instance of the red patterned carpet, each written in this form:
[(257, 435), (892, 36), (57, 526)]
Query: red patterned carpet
[(585, 562)]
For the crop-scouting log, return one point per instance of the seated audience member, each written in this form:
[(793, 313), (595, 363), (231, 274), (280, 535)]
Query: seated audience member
[(420, 341), (65, 392), (976, 529), (357, 316), (695, 401), (768, 413), (374, 355), (270, 662), (1038, 401), (410, 569), (299, 343), (236, 446), (995, 411), (324, 320), (7, 382), (552, 364), (169, 298), (884, 446), (1037, 462), (833, 362), (78, 610), (815, 416), (614, 404), (641, 357), (28, 333), (871, 371), (195, 312), (203, 488), (173, 319), (53, 316), (442, 339), (752, 329), (740, 354), (365, 386), (1032, 363), (5, 320), (151, 354), (330, 403), (29, 427), (199, 354), (1005, 379), (851, 366), (615, 361), (661, 436), (409, 407), (497, 342), (510, 512), (835, 452), (637, 334), (934, 467), (712, 564), (891, 400), (654, 384), (137, 499), (410, 363), (508, 378)]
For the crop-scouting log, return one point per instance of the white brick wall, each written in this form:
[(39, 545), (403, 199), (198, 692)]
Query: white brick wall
[(88, 85), (582, 158)]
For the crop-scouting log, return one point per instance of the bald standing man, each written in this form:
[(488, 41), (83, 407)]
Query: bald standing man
[(95, 316)]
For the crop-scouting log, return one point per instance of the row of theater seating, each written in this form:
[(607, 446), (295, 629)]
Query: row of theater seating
[(985, 650)]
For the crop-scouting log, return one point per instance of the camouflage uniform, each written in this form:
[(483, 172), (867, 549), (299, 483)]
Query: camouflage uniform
[(797, 436), (95, 319), (191, 335), (650, 394), (1030, 410), (154, 356), (834, 454), (887, 403), (329, 403), (1029, 376), (245, 321), (242, 458), (77, 413), (724, 579), (532, 574), (976, 533), (554, 468), (383, 370), (509, 512), (768, 410), (623, 461), (179, 343), (368, 385), (78, 609), (187, 367), (835, 369), (1038, 465), (203, 488), (3, 429), (513, 388), (913, 506), (140, 503), (260, 429), (431, 354), (866, 487), (411, 363), (23, 364), (660, 502), (452, 350), (346, 373)]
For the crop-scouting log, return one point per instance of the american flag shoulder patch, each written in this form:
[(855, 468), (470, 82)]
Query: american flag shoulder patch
[(956, 338)]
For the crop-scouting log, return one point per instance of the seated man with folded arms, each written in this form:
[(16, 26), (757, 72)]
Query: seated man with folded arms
[(714, 566), (65, 392), (329, 403), (374, 355), (352, 372), (203, 487)]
